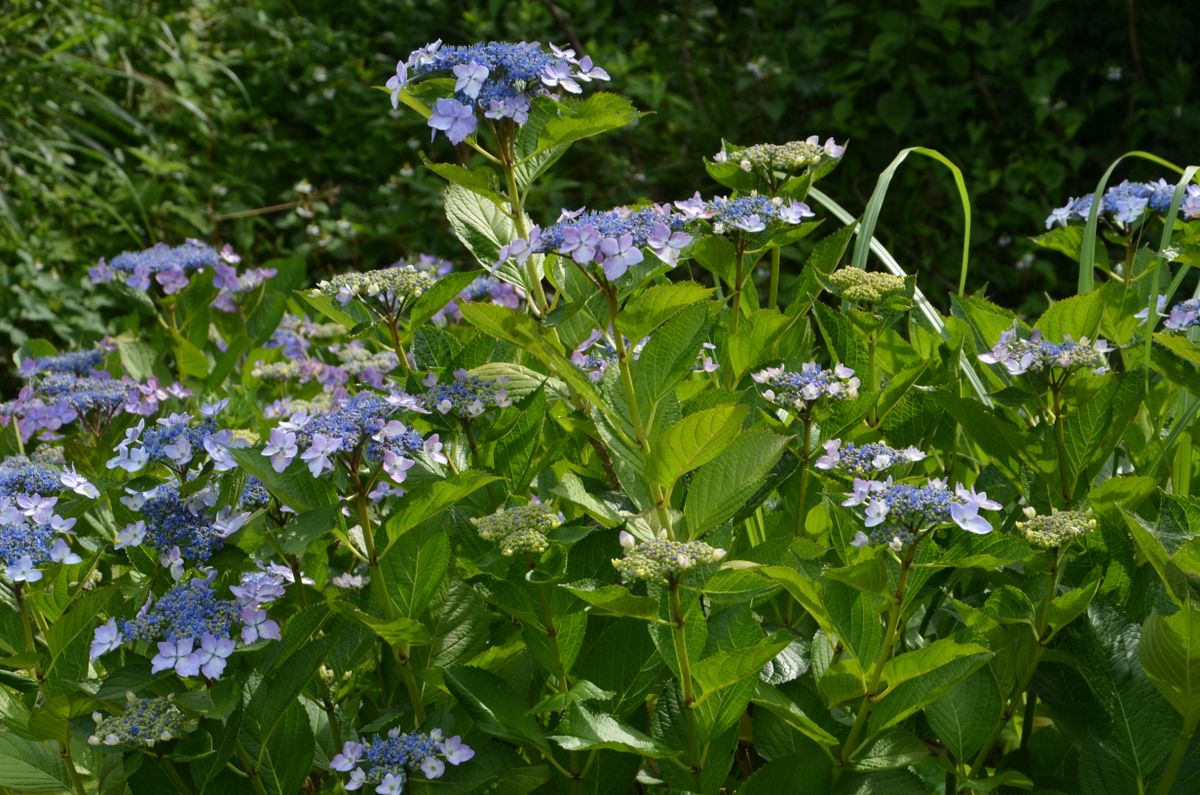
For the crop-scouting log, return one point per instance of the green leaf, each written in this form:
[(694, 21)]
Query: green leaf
[(578, 119), (846, 341), (288, 754), (479, 180), (308, 526), (518, 329), (895, 748), (584, 730), (649, 310), (928, 659), (913, 694), (493, 705), (1065, 608), (716, 255), (428, 503), (1092, 429), (580, 692), (1074, 317), (350, 316), (1064, 239), (614, 600), (1176, 357), (295, 486), (414, 567), (963, 718), (722, 486), (434, 300), (1170, 653), (765, 335), (727, 668), (781, 706), (693, 441), (670, 354), (31, 767), (481, 226)]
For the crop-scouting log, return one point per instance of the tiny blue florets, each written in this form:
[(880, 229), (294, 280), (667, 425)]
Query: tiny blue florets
[(1035, 354), (866, 459), (387, 761), (1126, 203), (896, 513)]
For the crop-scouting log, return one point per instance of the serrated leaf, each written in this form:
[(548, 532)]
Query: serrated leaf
[(584, 730), (295, 486), (493, 705), (428, 503), (784, 708), (928, 659), (615, 600), (1170, 653), (658, 304), (727, 668), (722, 486), (894, 748), (31, 767), (479, 224), (963, 718), (693, 441), (1074, 317), (434, 300)]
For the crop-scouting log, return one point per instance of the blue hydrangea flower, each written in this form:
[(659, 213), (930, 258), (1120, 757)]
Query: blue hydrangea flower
[(612, 239), (1035, 354), (498, 80), (387, 761), (1183, 315), (1124, 204), (33, 535), (801, 390), (866, 459), (896, 513)]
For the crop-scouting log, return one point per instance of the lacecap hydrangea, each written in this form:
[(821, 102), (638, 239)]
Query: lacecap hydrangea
[(495, 81), (171, 267), (1124, 204), (866, 459), (661, 560), (521, 528), (747, 214), (611, 239), (801, 390), (896, 513), (386, 762), (1035, 354)]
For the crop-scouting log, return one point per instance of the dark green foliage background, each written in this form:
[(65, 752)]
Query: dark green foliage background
[(123, 123)]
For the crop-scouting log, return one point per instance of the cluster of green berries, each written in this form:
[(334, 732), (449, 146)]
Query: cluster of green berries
[(522, 528), (865, 287), (662, 560), (392, 286), (146, 721), (1056, 529)]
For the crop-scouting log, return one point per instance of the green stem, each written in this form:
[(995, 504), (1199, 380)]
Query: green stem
[(1178, 754), (805, 441), (173, 774), (738, 278), (657, 492), (251, 769), (773, 288), (560, 671), (872, 380), (397, 345), (885, 652), (1060, 440), (508, 157), (1010, 707), (679, 637), (378, 583)]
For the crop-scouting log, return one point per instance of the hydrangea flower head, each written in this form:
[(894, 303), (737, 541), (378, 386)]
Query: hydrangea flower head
[(866, 460), (865, 287), (145, 722), (386, 762), (896, 513), (495, 80), (801, 390), (522, 528), (662, 560), (1035, 354), (1056, 529), (611, 239)]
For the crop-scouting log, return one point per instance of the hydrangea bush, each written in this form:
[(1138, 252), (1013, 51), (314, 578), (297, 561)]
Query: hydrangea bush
[(623, 501)]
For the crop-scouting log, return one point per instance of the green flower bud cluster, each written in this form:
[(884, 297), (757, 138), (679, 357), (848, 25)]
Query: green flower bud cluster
[(146, 721), (662, 560), (865, 287), (522, 528), (792, 156), (1056, 529), (393, 286)]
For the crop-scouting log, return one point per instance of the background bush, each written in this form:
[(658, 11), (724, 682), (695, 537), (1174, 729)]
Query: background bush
[(123, 123)]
